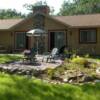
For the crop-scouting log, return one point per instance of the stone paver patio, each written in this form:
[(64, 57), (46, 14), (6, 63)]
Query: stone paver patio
[(38, 65), (24, 67)]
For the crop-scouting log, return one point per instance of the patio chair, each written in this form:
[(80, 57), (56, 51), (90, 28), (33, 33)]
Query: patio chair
[(51, 56), (29, 55), (64, 52)]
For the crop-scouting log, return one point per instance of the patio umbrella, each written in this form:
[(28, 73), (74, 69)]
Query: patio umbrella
[(37, 33)]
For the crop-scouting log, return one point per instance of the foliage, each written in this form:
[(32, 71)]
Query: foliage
[(79, 60), (81, 64), (13, 87), (9, 57), (49, 72), (9, 13), (80, 7), (38, 3), (87, 56), (85, 62), (30, 6)]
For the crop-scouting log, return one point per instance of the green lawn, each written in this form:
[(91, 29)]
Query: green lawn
[(21, 88), (14, 87), (9, 57)]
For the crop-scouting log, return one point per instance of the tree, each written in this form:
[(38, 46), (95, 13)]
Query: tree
[(39, 3), (9, 13), (80, 7)]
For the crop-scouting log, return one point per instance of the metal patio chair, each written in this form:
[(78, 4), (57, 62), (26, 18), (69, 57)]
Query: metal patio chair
[(51, 56), (29, 55)]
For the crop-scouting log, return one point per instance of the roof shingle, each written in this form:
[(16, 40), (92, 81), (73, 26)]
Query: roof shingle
[(91, 20), (8, 23)]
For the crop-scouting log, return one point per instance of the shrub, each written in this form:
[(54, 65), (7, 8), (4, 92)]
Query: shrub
[(78, 60), (49, 72), (81, 61), (87, 56)]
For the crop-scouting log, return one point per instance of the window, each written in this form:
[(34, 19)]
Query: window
[(57, 39), (88, 36), (20, 40)]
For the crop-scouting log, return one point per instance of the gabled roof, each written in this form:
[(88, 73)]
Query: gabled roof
[(8, 23), (91, 20)]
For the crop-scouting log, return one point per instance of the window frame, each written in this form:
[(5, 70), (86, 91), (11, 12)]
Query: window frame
[(15, 38), (88, 42)]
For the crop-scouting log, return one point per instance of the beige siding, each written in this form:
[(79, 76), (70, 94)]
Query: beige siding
[(50, 24), (73, 41), (6, 39), (24, 26)]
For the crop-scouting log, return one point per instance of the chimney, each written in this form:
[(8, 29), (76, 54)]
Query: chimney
[(41, 9)]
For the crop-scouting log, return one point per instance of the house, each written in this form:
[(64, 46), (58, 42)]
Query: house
[(80, 32)]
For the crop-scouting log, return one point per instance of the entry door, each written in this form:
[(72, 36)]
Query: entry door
[(57, 39)]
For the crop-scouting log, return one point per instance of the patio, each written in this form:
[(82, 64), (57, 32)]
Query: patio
[(20, 67)]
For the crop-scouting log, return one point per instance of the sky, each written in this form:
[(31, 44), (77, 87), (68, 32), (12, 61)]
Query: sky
[(18, 4)]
